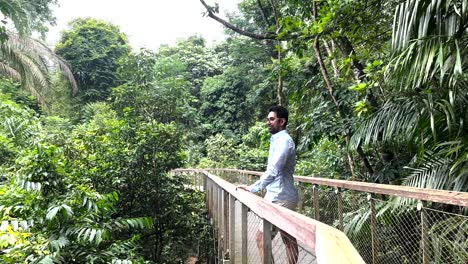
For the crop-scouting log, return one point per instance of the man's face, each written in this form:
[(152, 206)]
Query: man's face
[(274, 123)]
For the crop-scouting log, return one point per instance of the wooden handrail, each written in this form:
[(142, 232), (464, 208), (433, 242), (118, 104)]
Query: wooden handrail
[(430, 195), (330, 245)]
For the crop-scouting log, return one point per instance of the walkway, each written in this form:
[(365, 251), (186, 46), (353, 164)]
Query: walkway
[(427, 226)]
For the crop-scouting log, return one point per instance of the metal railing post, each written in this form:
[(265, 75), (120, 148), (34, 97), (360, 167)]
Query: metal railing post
[(226, 223), (424, 233), (373, 229), (316, 203), (340, 208), (267, 247), (301, 196), (214, 217), (244, 237), (194, 180), (214, 199), (205, 187), (232, 229), (220, 212), (209, 197)]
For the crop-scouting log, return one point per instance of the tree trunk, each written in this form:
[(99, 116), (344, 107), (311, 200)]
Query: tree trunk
[(279, 91), (324, 72), (329, 50), (330, 89), (347, 50)]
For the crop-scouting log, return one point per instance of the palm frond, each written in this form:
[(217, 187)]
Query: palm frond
[(33, 61), (7, 70), (419, 64), (134, 223), (432, 174), (88, 234), (47, 54), (396, 121), (427, 40), (17, 13), (416, 19), (57, 243), (19, 129)]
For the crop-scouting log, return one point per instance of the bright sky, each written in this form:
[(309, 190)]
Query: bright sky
[(147, 23)]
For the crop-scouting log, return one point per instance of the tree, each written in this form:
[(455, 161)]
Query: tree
[(27, 60), (156, 88), (93, 47), (200, 62), (428, 73), (224, 103), (27, 16), (23, 58), (49, 212)]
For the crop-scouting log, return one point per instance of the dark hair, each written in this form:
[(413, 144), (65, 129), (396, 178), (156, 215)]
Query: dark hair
[(280, 111)]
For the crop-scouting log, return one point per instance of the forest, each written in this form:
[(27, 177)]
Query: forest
[(89, 129)]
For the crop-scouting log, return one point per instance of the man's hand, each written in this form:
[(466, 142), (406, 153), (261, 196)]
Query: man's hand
[(243, 187)]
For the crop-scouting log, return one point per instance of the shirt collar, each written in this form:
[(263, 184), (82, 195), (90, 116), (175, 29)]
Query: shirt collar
[(279, 134)]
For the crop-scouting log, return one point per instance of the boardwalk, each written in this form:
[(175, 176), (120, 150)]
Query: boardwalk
[(380, 233), (317, 242)]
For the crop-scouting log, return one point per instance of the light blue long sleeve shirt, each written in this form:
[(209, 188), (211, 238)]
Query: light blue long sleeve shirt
[(278, 178)]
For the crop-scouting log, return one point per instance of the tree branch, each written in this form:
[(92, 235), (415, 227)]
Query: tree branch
[(235, 28), (324, 72)]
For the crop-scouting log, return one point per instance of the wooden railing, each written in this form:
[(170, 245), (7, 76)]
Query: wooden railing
[(325, 243), (435, 235), (428, 195)]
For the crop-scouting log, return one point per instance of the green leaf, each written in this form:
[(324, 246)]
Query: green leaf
[(52, 212)]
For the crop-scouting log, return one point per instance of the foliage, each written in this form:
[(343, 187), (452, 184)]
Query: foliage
[(93, 47), (18, 95), (224, 105), (253, 151), (200, 62), (428, 110), (27, 16), (28, 61), (47, 214), (101, 206), (132, 156), (23, 58), (220, 153), (366, 101), (155, 88), (325, 159)]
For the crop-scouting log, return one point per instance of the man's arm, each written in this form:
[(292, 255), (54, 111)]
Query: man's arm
[(276, 163)]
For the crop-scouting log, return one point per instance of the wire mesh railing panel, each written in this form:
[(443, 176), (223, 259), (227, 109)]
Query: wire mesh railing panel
[(305, 206), (328, 207), (286, 249), (445, 237), (382, 229), (398, 234), (357, 222), (236, 178), (254, 226)]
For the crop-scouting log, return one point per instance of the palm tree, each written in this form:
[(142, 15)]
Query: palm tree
[(25, 59), (430, 104), (30, 61)]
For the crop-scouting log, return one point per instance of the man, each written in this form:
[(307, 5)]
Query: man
[(278, 178)]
